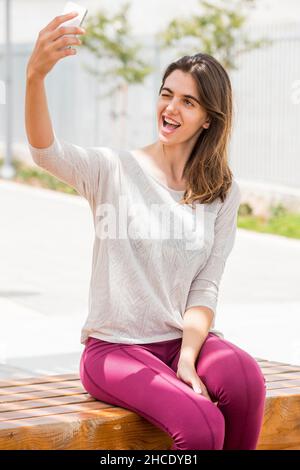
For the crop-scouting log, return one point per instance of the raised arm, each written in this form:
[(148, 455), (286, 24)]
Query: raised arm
[(47, 51), (77, 166)]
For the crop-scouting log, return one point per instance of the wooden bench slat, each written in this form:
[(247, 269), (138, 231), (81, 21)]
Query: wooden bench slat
[(43, 394), (286, 376), (284, 392), (57, 401), (272, 364), (266, 363), (279, 370), (38, 380), (39, 387), (51, 410), (283, 384)]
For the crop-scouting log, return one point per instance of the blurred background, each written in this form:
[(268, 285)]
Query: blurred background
[(106, 95)]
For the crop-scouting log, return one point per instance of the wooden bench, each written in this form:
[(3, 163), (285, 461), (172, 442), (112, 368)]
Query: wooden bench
[(55, 412)]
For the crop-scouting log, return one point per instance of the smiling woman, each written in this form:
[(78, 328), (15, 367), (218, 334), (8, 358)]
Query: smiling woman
[(155, 281)]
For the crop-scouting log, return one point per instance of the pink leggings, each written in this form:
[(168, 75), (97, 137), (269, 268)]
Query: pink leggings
[(142, 378)]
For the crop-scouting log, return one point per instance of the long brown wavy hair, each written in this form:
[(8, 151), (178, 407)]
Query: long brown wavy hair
[(207, 170)]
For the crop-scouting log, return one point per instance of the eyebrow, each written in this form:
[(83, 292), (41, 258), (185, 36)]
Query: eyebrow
[(186, 96)]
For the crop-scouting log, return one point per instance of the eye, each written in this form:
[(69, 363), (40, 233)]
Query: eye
[(186, 100)]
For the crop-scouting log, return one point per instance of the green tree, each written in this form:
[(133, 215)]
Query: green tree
[(109, 39), (217, 30)]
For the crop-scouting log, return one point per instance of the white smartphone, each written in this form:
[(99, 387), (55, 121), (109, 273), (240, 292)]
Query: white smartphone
[(76, 21)]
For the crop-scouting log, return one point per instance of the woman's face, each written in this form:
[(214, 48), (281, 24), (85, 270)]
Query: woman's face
[(179, 101)]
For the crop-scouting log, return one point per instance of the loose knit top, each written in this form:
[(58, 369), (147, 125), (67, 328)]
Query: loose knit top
[(153, 258)]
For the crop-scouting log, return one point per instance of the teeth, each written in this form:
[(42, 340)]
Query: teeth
[(171, 122)]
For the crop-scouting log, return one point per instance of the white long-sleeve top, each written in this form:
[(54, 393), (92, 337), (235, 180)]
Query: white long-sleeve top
[(153, 258)]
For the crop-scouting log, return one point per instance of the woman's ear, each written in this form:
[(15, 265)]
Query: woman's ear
[(207, 123)]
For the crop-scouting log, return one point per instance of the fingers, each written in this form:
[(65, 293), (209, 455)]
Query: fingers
[(197, 388), (207, 396), (201, 389), (63, 52), (204, 391), (63, 30), (59, 20), (66, 41), (187, 373)]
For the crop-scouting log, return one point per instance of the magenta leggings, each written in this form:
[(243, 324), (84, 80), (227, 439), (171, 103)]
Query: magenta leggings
[(142, 378)]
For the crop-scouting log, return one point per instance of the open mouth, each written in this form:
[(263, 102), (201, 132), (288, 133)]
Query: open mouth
[(168, 126)]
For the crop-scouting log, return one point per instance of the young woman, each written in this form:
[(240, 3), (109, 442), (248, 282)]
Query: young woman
[(150, 342)]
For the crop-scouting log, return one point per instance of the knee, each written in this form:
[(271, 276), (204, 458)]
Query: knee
[(254, 376), (204, 431), (247, 378)]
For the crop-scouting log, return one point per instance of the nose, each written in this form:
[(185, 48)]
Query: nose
[(172, 106)]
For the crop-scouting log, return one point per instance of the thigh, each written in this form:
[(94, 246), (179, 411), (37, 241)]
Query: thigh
[(234, 378), (225, 368), (131, 377)]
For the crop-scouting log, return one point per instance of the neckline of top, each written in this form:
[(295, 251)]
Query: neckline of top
[(151, 176)]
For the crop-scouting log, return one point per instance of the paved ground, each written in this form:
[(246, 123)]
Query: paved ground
[(46, 241)]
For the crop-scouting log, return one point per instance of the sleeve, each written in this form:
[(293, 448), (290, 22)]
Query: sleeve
[(204, 287), (74, 165)]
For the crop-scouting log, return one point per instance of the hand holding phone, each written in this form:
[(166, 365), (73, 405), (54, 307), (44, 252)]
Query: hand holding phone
[(77, 20), (51, 44)]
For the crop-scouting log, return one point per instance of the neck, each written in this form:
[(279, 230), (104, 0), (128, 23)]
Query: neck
[(172, 158)]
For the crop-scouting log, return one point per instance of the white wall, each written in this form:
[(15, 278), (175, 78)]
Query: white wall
[(146, 16)]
